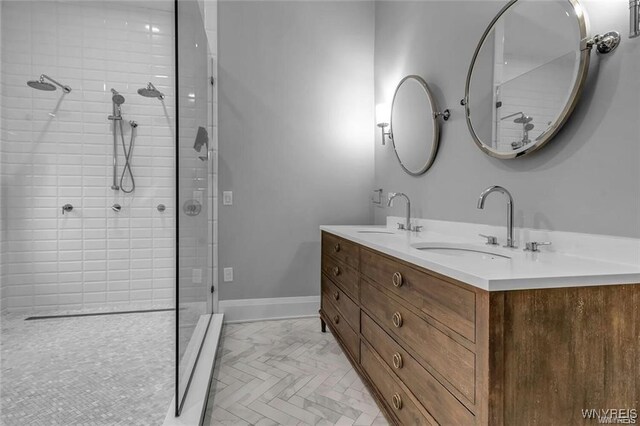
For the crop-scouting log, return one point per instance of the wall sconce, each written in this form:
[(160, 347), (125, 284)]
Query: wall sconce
[(382, 120), (634, 18)]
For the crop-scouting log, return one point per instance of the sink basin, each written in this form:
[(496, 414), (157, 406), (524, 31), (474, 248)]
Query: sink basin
[(468, 251), (375, 231)]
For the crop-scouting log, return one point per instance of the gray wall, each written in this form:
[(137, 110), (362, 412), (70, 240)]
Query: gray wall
[(295, 131), (586, 180)]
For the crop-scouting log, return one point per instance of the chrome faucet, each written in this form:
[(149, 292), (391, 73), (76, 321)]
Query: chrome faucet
[(407, 224), (510, 242)]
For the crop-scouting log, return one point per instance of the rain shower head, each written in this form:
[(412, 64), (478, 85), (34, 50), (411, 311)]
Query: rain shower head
[(44, 85), (151, 92), (117, 98), (525, 119)]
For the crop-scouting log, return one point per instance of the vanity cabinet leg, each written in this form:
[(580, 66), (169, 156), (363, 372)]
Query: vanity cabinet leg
[(323, 326)]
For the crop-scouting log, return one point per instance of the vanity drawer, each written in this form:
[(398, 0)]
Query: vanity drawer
[(347, 278), (340, 327), (341, 249), (440, 403), (347, 307), (390, 390), (449, 304), (448, 358)]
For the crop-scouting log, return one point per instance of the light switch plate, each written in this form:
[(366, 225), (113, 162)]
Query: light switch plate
[(228, 275), (227, 198)]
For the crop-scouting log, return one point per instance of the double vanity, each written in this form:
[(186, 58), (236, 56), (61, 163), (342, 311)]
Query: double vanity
[(446, 329)]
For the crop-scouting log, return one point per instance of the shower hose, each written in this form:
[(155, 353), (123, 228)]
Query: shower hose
[(127, 158)]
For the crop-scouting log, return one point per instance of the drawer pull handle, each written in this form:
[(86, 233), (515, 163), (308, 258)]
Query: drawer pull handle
[(397, 360), (336, 248), (397, 320), (397, 279), (336, 295), (336, 271), (397, 401), (336, 319)]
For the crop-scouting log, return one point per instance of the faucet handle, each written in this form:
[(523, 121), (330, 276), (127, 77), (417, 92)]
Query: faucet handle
[(533, 245), (491, 240), (416, 228), (401, 226)]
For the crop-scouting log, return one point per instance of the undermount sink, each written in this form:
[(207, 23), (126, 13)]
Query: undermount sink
[(468, 251), (375, 231)]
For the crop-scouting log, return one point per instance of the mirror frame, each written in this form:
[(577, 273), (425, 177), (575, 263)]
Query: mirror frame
[(576, 91), (435, 136)]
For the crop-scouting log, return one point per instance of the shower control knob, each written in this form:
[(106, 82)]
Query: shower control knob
[(161, 208), (67, 208), (116, 207)]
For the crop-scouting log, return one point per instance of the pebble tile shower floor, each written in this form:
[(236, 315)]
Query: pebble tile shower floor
[(99, 370)]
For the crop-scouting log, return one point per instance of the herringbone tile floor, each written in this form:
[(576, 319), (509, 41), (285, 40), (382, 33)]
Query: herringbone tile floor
[(286, 372)]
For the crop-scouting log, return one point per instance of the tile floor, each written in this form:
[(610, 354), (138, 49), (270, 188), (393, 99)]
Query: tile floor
[(101, 370), (286, 372)]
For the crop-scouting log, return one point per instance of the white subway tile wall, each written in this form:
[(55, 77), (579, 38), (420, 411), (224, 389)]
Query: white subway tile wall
[(57, 149)]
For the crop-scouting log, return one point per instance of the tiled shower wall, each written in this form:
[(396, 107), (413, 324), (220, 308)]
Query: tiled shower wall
[(57, 149)]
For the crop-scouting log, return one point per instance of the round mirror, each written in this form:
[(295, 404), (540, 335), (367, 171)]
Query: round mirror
[(526, 76), (414, 128)]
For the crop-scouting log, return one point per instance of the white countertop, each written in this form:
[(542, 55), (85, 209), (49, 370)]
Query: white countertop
[(524, 270)]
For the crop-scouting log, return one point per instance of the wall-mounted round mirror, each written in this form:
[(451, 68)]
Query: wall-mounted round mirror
[(526, 75), (415, 132)]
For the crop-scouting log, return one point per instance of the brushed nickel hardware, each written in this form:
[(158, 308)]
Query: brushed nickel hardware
[(533, 245), (161, 208), (336, 248), (67, 208), (417, 228), (385, 135), (397, 279), (192, 207), (392, 195), (116, 207), (151, 92), (336, 295), (397, 401), (40, 84), (336, 319), (336, 271), (491, 240), (397, 361), (605, 43), (446, 114), (510, 241), (397, 320)]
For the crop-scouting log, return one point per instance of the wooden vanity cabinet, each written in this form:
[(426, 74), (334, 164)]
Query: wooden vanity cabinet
[(433, 350)]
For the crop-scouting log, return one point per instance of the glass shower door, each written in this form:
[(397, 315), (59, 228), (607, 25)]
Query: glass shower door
[(194, 288)]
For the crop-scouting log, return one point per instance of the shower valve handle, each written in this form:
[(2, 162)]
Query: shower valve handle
[(67, 208)]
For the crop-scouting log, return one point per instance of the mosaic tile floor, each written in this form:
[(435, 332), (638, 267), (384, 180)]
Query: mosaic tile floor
[(102, 370), (288, 373)]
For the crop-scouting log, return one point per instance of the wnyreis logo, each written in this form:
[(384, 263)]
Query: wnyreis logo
[(626, 416)]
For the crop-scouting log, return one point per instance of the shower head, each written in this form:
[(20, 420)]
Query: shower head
[(44, 85), (525, 119), (151, 92), (117, 98)]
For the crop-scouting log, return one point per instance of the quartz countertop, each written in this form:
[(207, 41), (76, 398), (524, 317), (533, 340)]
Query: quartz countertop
[(522, 271)]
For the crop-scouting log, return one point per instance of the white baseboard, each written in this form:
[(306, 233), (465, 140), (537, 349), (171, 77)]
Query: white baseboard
[(244, 310)]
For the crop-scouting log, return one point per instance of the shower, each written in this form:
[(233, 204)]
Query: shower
[(117, 100), (151, 92), (41, 84)]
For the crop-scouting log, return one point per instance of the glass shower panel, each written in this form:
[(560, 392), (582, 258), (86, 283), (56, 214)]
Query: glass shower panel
[(194, 88)]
